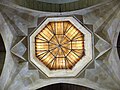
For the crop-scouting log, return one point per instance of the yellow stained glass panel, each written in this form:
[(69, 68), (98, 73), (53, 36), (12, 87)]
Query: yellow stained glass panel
[(60, 45)]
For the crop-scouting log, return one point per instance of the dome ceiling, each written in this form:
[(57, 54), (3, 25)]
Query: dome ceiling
[(61, 6)]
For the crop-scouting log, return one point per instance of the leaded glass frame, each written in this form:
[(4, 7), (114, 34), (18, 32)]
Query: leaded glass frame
[(60, 71), (60, 45)]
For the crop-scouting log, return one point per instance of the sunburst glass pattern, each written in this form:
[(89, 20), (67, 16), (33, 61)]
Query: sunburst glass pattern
[(60, 45)]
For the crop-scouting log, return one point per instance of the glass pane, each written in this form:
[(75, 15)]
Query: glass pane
[(60, 45)]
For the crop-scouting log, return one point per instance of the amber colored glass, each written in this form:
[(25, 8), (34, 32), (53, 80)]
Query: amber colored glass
[(60, 45)]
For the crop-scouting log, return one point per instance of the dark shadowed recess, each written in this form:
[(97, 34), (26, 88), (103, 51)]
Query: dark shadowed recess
[(54, 7), (118, 45), (64, 86), (2, 54)]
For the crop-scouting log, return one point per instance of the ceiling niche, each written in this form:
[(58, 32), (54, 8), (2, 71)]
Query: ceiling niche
[(64, 86), (2, 54), (118, 45), (60, 47)]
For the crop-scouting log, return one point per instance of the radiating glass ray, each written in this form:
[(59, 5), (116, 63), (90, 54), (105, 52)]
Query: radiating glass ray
[(79, 52), (65, 39), (65, 26), (40, 41), (47, 57), (72, 57), (47, 33), (59, 37), (65, 51), (77, 45), (50, 27), (52, 46), (68, 26), (78, 36), (54, 40), (41, 46), (69, 64), (53, 26), (55, 51), (60, 53), (67, 45), (59, 28), (39, 37), (71, 32), (42, 55)]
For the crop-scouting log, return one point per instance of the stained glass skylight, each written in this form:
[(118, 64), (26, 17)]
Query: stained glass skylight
[(59, 45)]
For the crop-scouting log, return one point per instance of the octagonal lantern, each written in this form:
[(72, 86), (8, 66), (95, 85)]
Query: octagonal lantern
[(61, 47)]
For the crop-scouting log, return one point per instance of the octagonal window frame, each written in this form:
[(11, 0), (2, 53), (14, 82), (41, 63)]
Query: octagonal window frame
[(45, 40), (80, 65)]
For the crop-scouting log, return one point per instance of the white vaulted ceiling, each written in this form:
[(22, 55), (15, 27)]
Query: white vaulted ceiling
[(18, 22)]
